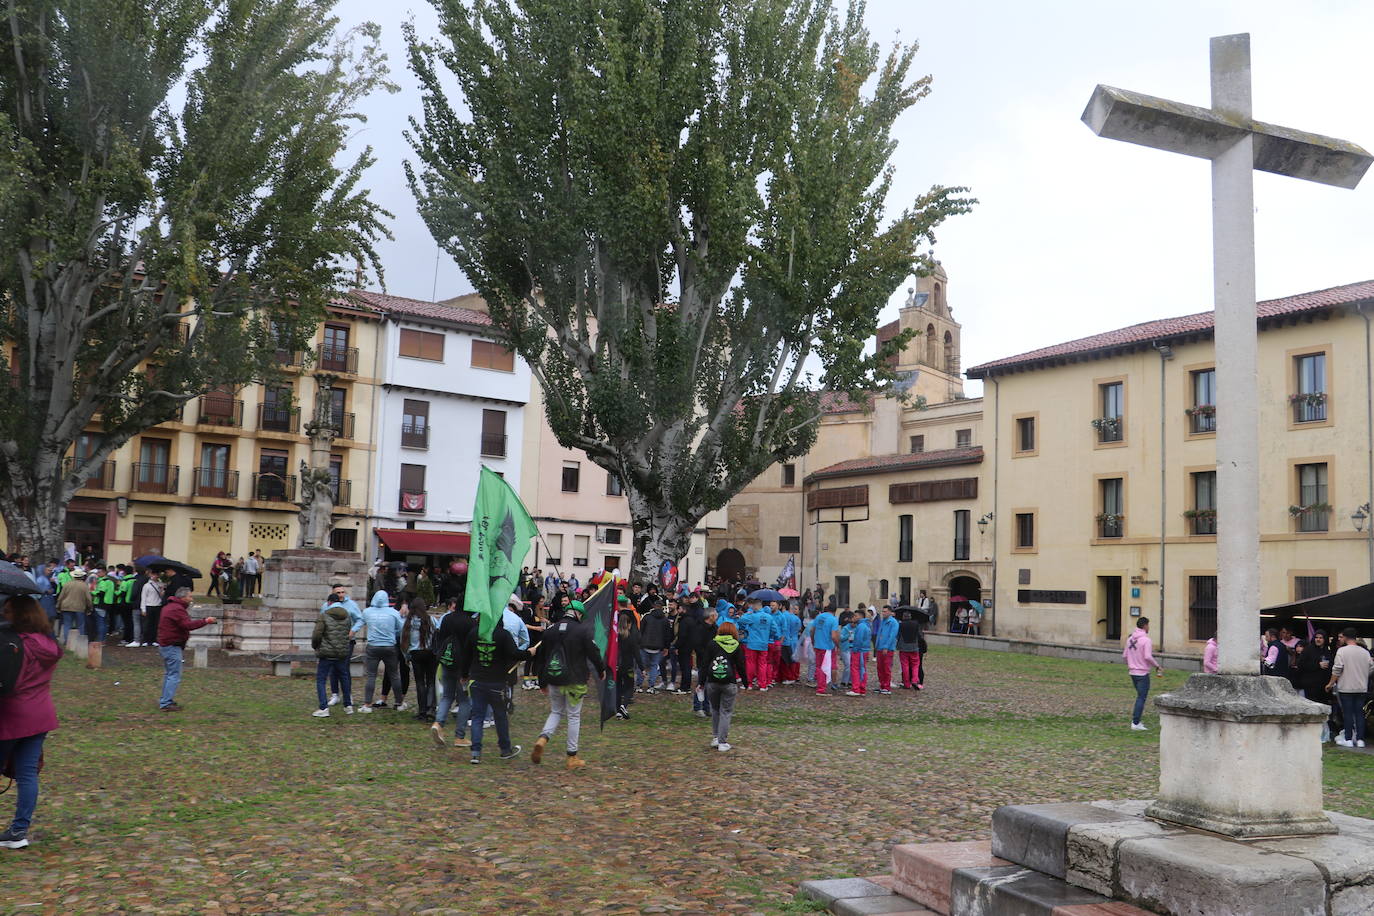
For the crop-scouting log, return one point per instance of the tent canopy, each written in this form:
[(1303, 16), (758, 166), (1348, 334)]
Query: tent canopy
[(1353, 607)]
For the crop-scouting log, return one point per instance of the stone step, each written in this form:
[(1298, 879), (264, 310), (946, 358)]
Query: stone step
[(862, 897), (924, 872)]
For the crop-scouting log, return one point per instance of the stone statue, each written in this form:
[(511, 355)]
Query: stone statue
[(317, 482)]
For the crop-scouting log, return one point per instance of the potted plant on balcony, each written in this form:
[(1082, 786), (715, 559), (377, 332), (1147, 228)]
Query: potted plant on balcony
[(1296, 511), (1308, 398), (1205, 514), (1202, 410), (1108, 427)]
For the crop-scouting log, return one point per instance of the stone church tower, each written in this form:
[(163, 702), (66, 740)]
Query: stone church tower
[(933, 355)]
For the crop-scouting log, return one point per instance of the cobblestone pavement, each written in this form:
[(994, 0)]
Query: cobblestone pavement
[(243, 803)]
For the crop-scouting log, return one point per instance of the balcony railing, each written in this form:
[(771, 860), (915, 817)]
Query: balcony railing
[(220, 411), (1109, 429), (220, 482), (961, 548), (1309, 407), (1203, 521), (1202, 419), (343, 492), (277, 419), (411, 501), (494, 445), (414, 436), (342, 423), (1110, 526), (290, 358), (274, 488), (339, 359), (156, 478), (102, 479)]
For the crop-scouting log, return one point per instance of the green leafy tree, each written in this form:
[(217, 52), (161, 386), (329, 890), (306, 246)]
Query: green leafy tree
[(170, 216), (675, 210)]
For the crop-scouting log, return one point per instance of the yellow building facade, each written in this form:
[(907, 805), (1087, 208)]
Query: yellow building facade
[(224, 476), (1102, 470)]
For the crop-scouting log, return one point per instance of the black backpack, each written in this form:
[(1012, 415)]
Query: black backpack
[(556, 665), (11, 658)]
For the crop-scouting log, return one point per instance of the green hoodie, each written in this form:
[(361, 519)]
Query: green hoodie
[(728, 643), (725, 665)]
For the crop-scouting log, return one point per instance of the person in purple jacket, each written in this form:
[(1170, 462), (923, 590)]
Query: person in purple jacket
[(1140, 658), (27, 715)]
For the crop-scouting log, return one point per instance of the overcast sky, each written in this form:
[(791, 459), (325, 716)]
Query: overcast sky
[(1073, 234)]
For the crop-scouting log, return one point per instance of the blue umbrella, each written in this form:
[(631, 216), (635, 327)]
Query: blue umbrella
[(767, 594), (14, 581), (149, 560)]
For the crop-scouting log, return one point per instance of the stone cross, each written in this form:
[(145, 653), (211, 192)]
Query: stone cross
[(1236, 144)]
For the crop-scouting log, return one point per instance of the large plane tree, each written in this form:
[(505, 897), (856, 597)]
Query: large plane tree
[(675, 210), (171, 215)]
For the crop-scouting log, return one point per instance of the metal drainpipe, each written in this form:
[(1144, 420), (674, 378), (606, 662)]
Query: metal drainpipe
[(1163, 490), (996, 454), (1369, 427)]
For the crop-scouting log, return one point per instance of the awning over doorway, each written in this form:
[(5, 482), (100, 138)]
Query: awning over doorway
[(407, 540), (1353, 607)]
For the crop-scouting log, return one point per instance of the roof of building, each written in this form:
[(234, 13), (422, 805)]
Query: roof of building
[(1172, 329), (884, 464), (419, 308), (841, 402)]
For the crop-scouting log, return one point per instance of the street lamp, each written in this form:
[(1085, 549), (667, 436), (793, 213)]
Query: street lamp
[(983, 523), (1360, 516)]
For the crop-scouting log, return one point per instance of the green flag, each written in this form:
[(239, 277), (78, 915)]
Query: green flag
[(501, 532)]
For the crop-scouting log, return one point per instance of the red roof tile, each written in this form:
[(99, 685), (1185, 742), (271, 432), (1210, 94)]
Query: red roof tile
[(1168, 328), (883, 464), (841, 402), (418, 308)]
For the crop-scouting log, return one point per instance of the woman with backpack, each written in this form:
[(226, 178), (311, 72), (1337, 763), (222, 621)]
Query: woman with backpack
[(26, 711), (452, 635), (417, 637), (725, 669)]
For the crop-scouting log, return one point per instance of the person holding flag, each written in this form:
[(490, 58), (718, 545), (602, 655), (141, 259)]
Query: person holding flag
[(562, 660)]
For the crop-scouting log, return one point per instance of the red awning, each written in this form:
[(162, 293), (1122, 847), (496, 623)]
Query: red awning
[(406, 540)]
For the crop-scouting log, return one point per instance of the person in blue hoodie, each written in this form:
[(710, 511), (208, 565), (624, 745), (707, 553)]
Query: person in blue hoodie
[(383, 634), (884, 645), (825, 637), (756, 634), (846, 640), (791, 639), (860, 642), (774, 671)]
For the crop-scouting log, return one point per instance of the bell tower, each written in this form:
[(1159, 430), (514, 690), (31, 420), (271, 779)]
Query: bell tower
[(933, 354)]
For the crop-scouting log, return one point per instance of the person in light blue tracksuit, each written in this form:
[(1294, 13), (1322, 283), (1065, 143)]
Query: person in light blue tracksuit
[(339, 595), (791, 644), (383, 634), (756, 632), (884, 646)]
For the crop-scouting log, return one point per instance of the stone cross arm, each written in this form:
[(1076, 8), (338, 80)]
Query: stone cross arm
[(1118, 114)]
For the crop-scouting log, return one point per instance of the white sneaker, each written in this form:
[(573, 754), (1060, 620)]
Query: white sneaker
[(132, 645), (1340, 740), (402, 708), (852, 693), (722, 747), (715, 742), (333, 699), (348, 710), (365, 709), (1139, 727), (321, 714), (1359, 742)]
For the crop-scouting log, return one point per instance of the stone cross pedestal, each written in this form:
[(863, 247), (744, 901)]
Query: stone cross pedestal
[(1223, 736)]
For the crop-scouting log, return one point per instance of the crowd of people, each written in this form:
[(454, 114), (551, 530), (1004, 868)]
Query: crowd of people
[(1338, 673)]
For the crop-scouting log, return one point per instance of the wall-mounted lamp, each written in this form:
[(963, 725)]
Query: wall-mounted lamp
[(983, 523), (1360, 516)]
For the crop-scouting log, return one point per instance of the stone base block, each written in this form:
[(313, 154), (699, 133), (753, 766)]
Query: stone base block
[(861, 897), (1036, 836), (924, 872), (1012, 891)]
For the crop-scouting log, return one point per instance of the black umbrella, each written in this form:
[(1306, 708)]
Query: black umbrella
[(176, 566), (916, 613), (149, 560), (14, 581)]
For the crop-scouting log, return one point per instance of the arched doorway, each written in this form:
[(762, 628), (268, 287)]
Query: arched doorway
[(962, 588), (730, 565)]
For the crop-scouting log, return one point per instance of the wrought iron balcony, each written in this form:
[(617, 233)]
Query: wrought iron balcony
[(102, 479), (156, 478), (277, 419), (414, 435), (216, 410), (274, 488), (339, 359), (220, 482), (493, 445)]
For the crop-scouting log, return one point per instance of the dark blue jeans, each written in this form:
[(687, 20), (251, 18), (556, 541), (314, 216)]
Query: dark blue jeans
[(489, 696), (338, 669), (1352, 715), (1142, 690), (455, 699), (25, 752)]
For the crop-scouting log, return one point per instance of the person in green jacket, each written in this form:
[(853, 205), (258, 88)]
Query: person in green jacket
[(103, 598), (124, 603)]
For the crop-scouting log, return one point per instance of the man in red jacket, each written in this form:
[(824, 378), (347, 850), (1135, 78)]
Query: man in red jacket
[(173, 629)]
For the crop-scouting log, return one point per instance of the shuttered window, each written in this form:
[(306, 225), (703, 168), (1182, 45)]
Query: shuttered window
[(422, 345), (489, 355), (837, 498), (929, 491)]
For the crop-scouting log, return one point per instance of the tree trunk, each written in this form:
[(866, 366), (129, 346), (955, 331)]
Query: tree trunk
[(34, 506), (660, 534)]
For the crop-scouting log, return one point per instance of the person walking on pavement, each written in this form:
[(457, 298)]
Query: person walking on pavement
[(174, 627), (338, 594), (1139, 656), (150, 606), (450, 642), (383, 634), (1350, 672), (563, 658), (27, 714), (486, 666), (331, 644), (724, 671)]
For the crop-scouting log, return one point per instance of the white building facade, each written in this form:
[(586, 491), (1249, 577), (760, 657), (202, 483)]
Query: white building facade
[(451, 400)]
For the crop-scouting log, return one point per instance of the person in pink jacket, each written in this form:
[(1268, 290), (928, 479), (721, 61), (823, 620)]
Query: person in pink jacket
[(27, 715), (1140, 658), (1209, 657)]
